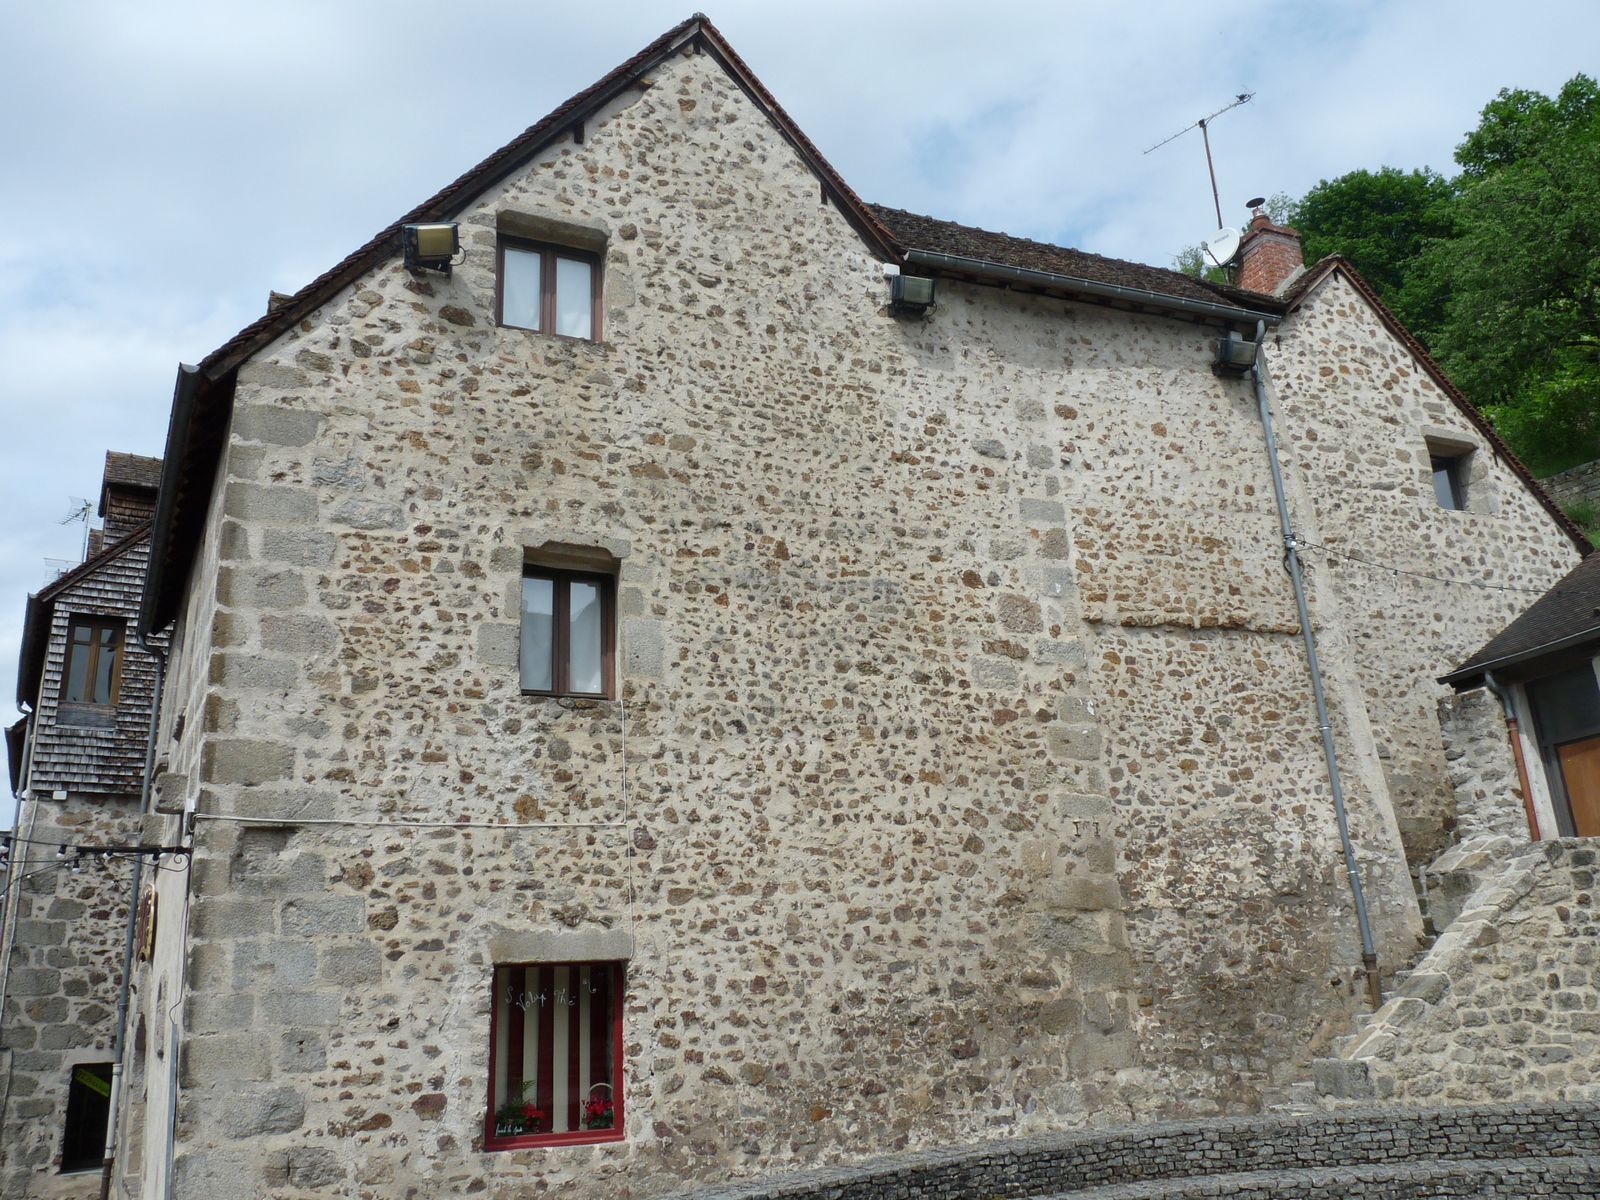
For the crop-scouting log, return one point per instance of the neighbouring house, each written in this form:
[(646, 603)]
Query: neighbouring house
[(1541, 670), (676, 671), (77, 763)]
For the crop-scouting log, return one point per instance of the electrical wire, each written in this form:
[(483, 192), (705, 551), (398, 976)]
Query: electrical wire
[(1394, 570)]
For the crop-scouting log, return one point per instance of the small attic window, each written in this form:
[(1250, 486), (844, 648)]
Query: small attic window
[(1450, 463), (549, 288)]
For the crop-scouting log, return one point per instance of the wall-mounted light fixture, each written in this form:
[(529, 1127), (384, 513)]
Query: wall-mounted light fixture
[(430, 247), (910, 294), (1235, 354)]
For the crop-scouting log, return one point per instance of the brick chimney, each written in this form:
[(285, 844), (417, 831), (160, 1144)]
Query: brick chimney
[(1270, 257)]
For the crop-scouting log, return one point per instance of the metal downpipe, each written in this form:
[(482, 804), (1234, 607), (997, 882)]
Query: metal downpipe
[(1514, 736), (119, 1046), (1291, 546)]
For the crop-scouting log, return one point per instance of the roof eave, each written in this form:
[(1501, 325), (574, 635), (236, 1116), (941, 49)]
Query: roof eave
[(1140, 298), (1474, 671)]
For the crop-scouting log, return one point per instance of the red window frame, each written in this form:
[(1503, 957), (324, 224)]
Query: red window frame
[(577, 1137)]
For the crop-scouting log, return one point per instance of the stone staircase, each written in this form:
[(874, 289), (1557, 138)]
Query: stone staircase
[(1383, 1152), (1451, 1004)]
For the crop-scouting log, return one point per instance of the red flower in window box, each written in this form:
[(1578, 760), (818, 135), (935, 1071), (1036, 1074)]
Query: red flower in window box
[(599, 1112)]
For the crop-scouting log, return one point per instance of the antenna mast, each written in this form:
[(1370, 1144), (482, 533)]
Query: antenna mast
[(80, 512), (1202, 124)]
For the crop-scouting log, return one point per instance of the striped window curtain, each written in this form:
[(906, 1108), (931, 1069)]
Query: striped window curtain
[(553, 1048)]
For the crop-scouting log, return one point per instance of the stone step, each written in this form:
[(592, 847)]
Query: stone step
[(1440, 1179)]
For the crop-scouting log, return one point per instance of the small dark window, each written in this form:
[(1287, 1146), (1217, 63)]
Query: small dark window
[(555, 1054), (83, 1146), (568, 632), (1450, 480), (93, 666), (547, 288)]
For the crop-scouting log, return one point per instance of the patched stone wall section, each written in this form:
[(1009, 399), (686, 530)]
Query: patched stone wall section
[(1354, 412), (1506, 1005), (1483, 768)]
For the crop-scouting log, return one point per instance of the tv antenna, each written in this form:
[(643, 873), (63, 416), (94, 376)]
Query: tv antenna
[(81, 508), (1202, 125)]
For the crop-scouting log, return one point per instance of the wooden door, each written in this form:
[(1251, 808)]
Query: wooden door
[(1580, 771)]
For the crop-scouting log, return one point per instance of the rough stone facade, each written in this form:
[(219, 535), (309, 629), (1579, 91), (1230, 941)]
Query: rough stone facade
[(1483, 768), (965, 779), (1505, 1006), (64, 933)]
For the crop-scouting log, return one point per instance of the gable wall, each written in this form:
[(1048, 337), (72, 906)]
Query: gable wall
[(971, 780), (1355, 409)]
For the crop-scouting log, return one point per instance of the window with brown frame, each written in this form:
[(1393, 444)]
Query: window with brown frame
[(568, 632), (555, 1055), (547, 288), (93, 670)]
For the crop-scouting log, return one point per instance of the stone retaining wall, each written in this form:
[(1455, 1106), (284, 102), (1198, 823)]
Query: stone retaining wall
[(1480, 1141), (1579, 485), (1507, 1003)]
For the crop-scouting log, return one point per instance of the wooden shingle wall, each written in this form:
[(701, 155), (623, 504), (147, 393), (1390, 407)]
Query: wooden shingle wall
[(75, 757)]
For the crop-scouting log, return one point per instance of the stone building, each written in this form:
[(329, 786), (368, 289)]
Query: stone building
[(77, 763), (654, 698)]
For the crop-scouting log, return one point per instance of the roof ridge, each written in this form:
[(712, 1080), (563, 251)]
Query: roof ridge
[(1043, 245)]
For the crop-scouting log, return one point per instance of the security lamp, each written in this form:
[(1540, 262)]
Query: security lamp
[(430, 247), (910, 294), (1235, 355)]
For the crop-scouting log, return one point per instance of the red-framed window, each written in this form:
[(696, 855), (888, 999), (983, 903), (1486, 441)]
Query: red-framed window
[(555, 1055)]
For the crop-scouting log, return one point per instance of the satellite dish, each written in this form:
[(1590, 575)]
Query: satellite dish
[(1221, 247)]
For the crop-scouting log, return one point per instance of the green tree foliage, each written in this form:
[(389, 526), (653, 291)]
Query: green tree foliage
[(1498, 269), (1522, 335), (1382, 221)]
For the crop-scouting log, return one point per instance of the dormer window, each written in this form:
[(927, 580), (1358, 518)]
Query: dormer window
[(92, 673)]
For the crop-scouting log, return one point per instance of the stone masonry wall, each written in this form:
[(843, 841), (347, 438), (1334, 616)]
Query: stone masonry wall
[(1484, 1150), (1576, 485), (1505, 1006), (60, 1002), (1355, 409), (1483, 768), (965, 781)]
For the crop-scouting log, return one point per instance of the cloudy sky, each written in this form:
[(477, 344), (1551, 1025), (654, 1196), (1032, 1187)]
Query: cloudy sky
[(167, 163)]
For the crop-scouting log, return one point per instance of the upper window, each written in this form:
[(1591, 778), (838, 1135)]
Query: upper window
[(555, 1055), (93, 665), (83, 1142), (551, 289), (568, 638)]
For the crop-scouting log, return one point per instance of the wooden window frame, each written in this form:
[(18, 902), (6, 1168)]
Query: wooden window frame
[(119, 627), (578, 1137), (549, 252), (560, 649)]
